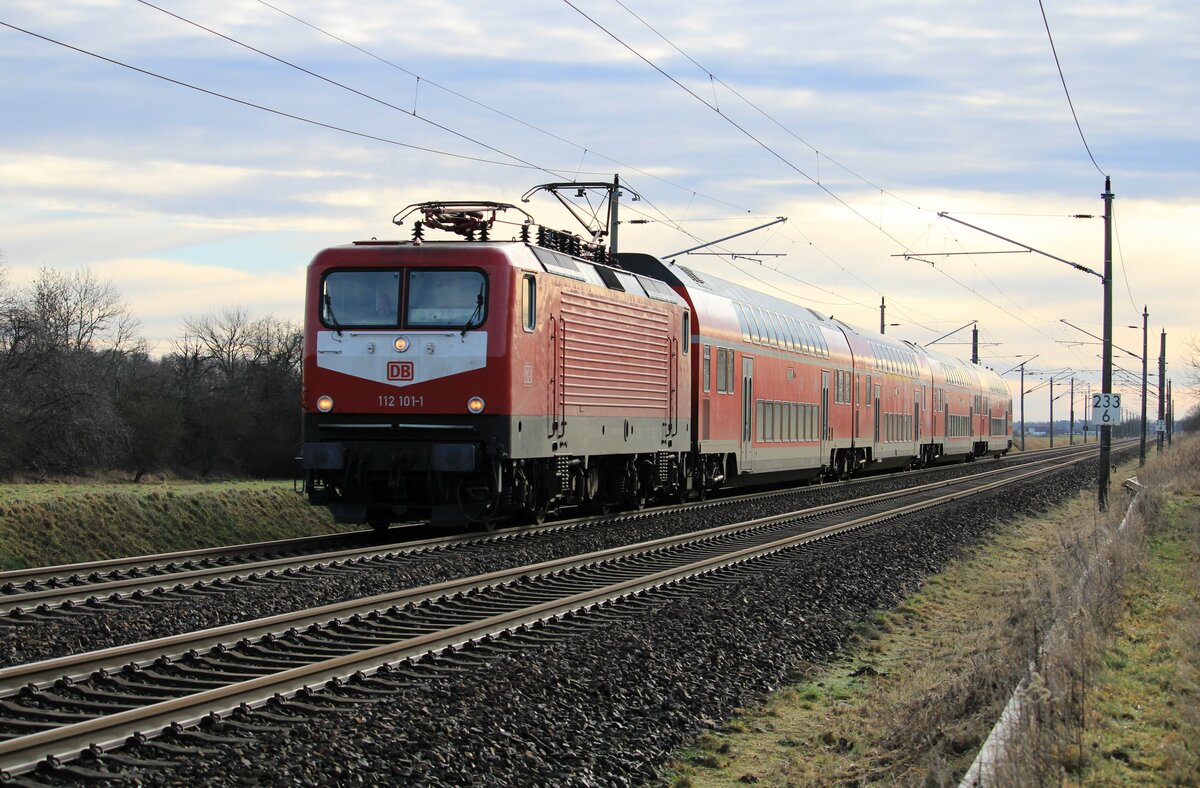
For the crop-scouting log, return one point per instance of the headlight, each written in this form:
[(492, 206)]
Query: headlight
[(475, 405), (324, 403), (401, 344)]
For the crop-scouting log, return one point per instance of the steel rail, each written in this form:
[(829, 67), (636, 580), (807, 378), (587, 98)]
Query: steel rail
[(100, 591), (79, 666), (151, 560), (21, 754), (153, 577)]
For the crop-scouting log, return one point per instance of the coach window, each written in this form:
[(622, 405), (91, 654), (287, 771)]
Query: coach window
[(707, 368), (687, 334), (755, 331), (777, 327), (776, 330), (446, 299), (529, 302), (743, 323), (729, 370), (721, 383), (361, 298)]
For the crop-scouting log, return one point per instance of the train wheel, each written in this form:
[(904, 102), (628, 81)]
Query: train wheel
[(640, 498), (477, 499), (379, 518)]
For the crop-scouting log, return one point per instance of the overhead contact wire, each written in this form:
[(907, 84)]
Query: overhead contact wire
[(502, 113), (737, 126), (1070, 103), (261, 107), (334, 82)]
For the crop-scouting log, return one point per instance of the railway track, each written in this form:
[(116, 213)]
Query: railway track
[(77, 589), (94, 702)]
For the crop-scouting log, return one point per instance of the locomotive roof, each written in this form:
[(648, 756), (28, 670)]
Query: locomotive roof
[(533, 257)]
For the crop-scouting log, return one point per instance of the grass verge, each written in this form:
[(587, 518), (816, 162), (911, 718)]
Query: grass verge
[(42, 525), (1143, 713), (914, 700)]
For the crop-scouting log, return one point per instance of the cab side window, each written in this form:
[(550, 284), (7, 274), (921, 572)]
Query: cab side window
[(528, 302)]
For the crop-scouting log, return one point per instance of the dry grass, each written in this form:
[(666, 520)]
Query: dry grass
[(943, 664), (1035, 442)]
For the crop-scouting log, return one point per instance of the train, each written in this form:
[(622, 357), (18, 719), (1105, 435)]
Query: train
[(483, 381)]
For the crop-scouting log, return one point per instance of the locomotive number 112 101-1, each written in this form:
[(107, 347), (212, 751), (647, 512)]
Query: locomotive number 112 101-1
[(401, 401)]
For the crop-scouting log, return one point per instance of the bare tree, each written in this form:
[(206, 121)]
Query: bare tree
[(221, 338), (240, 380), (13, 320), (62, 339), (1191, 361), (278, 344), (73, 311)]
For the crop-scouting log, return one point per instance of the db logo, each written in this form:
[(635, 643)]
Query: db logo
[(400, 370)]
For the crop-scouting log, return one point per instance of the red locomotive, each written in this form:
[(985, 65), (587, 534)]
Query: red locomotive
[(480, 380)]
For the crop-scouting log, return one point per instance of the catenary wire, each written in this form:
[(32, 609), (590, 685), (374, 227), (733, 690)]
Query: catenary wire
[(813, 148), (343, 86), (509, 116), (1121, 257), (781, 158), (261, 107), (718, 81), (1070, 103), (502, 113)]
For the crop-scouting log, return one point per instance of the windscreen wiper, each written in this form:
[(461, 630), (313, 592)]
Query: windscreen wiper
[(476, 313), (332, 317)]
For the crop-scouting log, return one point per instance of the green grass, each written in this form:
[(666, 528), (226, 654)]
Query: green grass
[(1143, 725), (58, 523), (44, 491)]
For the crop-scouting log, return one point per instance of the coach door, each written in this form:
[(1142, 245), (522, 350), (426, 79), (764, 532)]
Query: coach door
[(824, 409), (747, 413), (877, 393)]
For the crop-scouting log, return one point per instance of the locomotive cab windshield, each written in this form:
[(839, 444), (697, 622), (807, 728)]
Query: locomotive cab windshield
[(424, 298)]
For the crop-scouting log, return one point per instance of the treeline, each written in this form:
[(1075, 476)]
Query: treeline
[(80, 392)]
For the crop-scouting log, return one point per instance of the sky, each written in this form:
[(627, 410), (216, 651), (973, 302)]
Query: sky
[(862, 122)]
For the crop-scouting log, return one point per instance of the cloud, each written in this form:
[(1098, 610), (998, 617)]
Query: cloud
[(191, 200)]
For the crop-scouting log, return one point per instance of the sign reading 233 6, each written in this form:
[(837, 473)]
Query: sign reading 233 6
[(1106, 408)]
